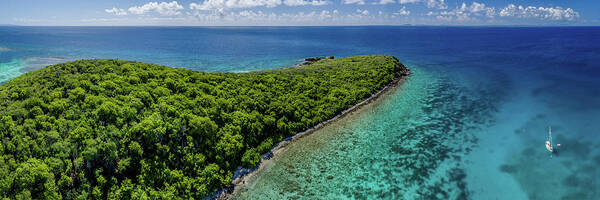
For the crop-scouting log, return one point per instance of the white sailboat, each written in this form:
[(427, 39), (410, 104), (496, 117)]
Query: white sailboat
[(549, 142), (549, 146)]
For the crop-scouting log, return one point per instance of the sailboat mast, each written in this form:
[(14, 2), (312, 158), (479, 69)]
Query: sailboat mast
[(550, 133)]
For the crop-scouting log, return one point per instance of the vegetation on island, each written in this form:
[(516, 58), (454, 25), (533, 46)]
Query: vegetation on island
[(112, 129)]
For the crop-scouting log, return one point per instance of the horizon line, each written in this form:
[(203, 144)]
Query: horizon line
[(359, 25)]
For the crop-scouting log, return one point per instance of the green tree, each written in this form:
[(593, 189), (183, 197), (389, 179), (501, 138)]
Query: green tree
[(34, 179)]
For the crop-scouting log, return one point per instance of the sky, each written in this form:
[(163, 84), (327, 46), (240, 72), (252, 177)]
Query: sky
[(298, 12)]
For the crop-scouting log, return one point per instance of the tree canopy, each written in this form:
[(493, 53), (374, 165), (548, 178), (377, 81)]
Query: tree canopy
[(113, 129)]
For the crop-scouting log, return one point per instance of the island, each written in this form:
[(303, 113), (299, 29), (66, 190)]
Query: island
[(114, 129)]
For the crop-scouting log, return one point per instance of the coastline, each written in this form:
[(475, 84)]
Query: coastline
[(240, 181)]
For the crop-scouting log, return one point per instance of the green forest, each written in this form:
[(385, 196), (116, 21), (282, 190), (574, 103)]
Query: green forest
[(113, 129)]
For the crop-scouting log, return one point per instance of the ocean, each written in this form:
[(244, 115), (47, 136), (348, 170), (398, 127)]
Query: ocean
[(470, 123)]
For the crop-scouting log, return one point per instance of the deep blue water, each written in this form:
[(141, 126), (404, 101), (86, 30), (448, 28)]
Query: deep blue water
[(470, 123)]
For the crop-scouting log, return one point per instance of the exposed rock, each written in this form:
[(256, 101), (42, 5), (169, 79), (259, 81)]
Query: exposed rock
[(267, 155), (314, 59), (311, 60)]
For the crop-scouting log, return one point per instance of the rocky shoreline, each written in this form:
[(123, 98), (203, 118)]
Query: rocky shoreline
[(311, 60), (242, 175)]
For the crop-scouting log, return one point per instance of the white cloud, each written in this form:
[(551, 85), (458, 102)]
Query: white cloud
[(226, 4), (465, 13), (146, 20), (408, 1), (402, 12), (325, 14), (313, 16), (222, 13), (383, 2), (439, 4), (478, 9), (444, 18), (556, 13), (304, 2), (475, 7), (116, 11), (359, 2), (163, 8), (362, 12), (250, 17)]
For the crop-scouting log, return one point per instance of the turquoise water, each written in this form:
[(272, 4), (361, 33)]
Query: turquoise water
[(433, 138), (470, 123), (410, 145)]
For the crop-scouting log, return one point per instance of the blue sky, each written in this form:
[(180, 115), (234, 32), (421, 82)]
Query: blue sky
[(300, 12)]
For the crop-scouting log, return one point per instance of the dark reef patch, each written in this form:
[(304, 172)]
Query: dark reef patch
[(508, 168), (454, 115)]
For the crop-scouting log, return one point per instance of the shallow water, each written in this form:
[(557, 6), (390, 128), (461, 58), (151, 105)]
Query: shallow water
[(470, 123), (409, 145)]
